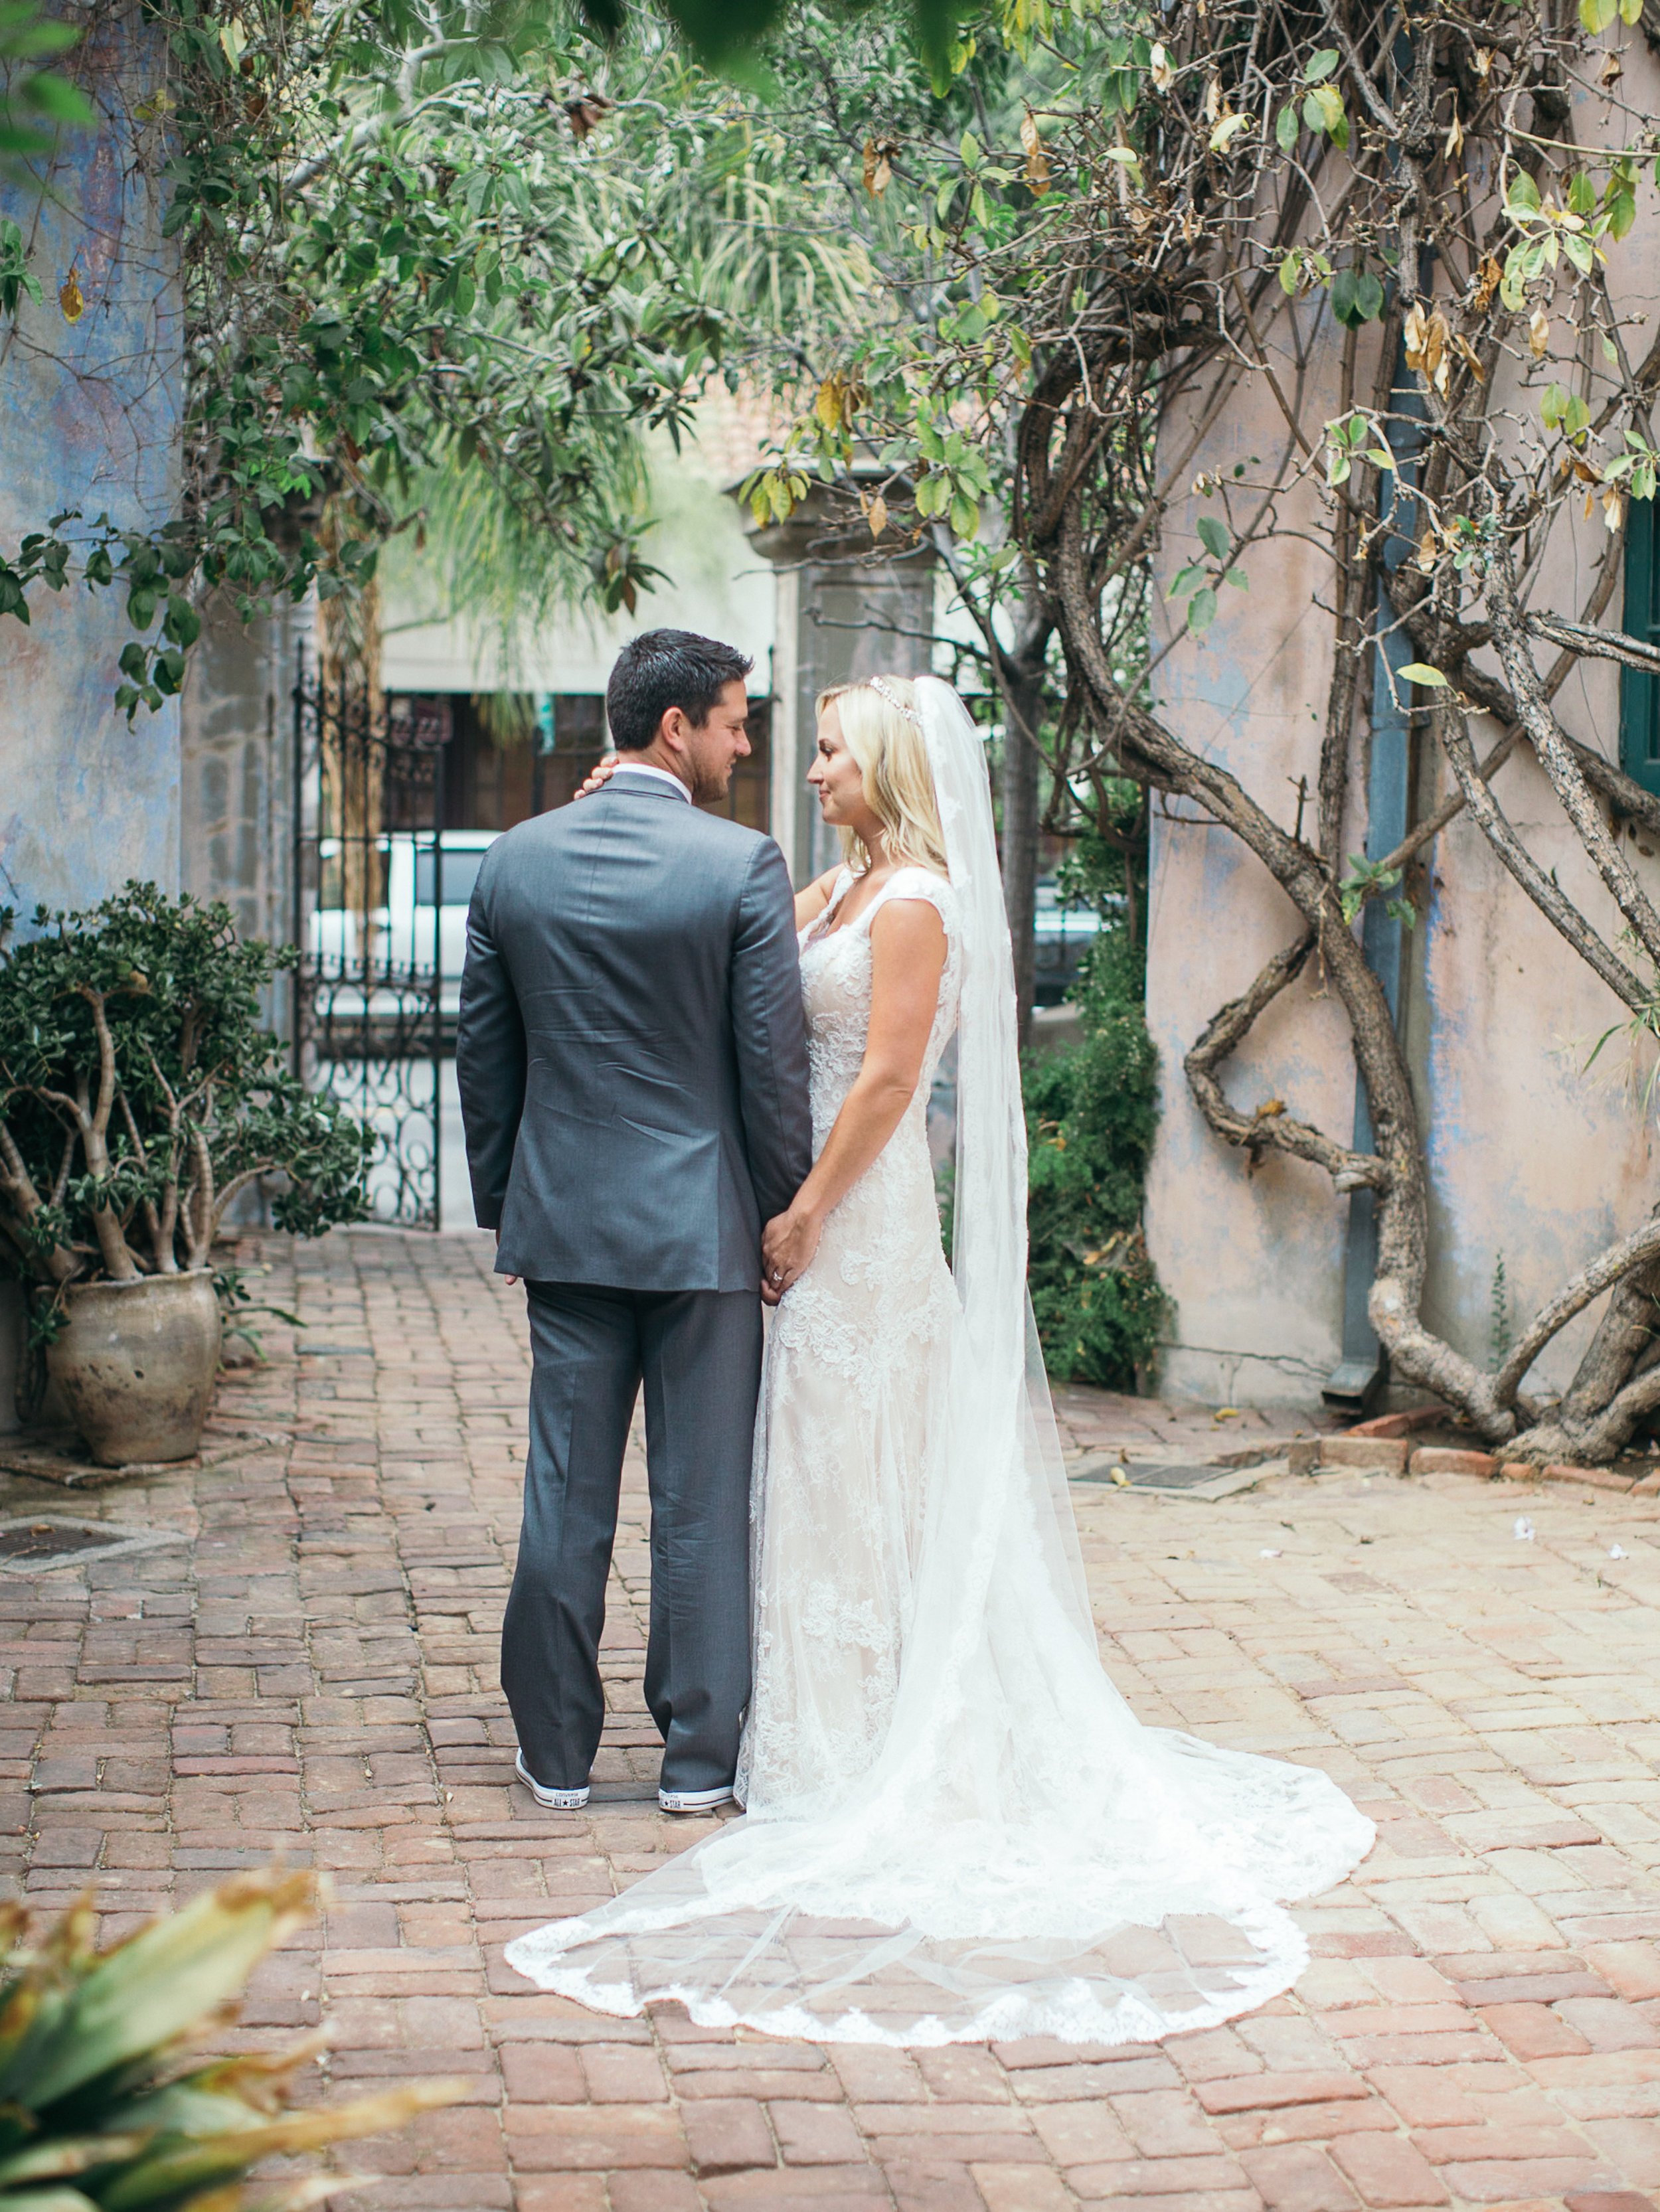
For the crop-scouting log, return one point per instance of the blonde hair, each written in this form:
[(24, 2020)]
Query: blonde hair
[(893, 761)]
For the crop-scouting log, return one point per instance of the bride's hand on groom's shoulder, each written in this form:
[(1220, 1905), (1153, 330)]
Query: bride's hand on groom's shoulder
[(788, 1244), (597, 777)]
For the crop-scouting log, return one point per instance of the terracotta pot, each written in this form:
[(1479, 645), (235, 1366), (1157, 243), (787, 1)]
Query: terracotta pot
[(136, 1363)]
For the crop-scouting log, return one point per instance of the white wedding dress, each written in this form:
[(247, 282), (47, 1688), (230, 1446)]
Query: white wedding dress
[(956, 1830)]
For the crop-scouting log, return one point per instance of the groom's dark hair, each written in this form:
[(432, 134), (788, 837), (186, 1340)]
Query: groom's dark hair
[(665, 668)]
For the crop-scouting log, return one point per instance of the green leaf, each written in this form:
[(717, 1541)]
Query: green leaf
[(1226, 130), (1523, 197), (1357, 297), (1322, 65), (1202, 610), (1419, 671), (1582, 194), (183, 625), (148, 1990), (1286, 128), (56, 97), (1213, 536)]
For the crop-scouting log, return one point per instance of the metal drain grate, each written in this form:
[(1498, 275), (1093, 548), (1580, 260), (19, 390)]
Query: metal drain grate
[(1207, 1478), (44, 1540)]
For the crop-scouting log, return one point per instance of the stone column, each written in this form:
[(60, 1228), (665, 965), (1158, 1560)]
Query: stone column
[(844, 610), (92, 410), (237, 748)]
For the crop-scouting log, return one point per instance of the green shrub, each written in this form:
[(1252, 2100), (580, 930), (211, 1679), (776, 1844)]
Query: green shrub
[(140, 1093), (103, 2105), (1090, 1115)]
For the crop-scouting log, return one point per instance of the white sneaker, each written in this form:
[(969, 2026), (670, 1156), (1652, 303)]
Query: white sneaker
[(694, 1800), (557, 1801)]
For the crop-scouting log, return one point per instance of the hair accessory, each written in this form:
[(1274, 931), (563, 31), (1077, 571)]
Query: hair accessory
[(883, 689)]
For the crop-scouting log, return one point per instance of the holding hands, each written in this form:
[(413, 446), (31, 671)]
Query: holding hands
[(788, 1244)]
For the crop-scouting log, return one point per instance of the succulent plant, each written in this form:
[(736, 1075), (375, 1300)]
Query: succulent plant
[(105, 2104)]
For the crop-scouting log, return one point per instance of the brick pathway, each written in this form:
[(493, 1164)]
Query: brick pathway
[(315, 1672)]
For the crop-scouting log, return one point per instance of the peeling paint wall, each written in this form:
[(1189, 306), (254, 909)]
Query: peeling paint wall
[(89, 418)]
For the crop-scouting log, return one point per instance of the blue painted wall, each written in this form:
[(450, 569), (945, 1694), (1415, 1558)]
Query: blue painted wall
[(89, 418)]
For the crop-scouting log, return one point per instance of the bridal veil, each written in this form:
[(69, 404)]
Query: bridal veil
[(1024, 1858)]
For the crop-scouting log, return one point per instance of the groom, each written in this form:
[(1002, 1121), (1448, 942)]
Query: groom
[(633, 1067)]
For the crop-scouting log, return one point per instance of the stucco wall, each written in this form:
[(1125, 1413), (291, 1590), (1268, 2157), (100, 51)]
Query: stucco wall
[(1253, 1262), (1532, 1156), (91, 421)]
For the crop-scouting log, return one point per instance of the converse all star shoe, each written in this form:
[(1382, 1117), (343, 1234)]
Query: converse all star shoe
[(557, 1801), (694, 1800)]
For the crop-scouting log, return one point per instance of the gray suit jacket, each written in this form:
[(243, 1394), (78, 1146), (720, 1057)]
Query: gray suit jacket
[(632, 1051)]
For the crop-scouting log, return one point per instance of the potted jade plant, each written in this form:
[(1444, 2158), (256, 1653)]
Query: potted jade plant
[(140, 1095)]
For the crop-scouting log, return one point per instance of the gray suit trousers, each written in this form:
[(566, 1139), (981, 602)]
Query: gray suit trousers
[(699, 1355)]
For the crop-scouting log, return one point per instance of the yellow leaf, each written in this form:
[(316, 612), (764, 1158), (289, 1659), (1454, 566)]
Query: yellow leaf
[(1213, 100), (1429, 552), (830, 406), (1463, 347), (1454, 137), (1038, 166), (1539, 333), (1613, 507), (879, 515), (1163, 76), (69, 298), (1228, 128), (1492, 276)]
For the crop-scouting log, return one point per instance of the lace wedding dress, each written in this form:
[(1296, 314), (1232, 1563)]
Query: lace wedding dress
[(956, 1830)]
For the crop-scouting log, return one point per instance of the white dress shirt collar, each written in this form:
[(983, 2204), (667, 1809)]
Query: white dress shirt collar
[(662, 774)]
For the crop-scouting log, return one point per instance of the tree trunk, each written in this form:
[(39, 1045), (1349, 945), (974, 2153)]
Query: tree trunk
[(1023, 710)]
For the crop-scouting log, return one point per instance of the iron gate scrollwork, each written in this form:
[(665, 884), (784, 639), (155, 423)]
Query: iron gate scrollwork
[(370, 993)]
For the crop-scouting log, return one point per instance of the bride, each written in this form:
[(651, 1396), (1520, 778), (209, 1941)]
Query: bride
[(956, 1830)]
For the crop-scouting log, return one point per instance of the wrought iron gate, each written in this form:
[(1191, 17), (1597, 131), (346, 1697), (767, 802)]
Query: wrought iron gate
[(370, 992)]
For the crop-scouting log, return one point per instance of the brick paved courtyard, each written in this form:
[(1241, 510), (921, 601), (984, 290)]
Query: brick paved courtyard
[(313, 1671)]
